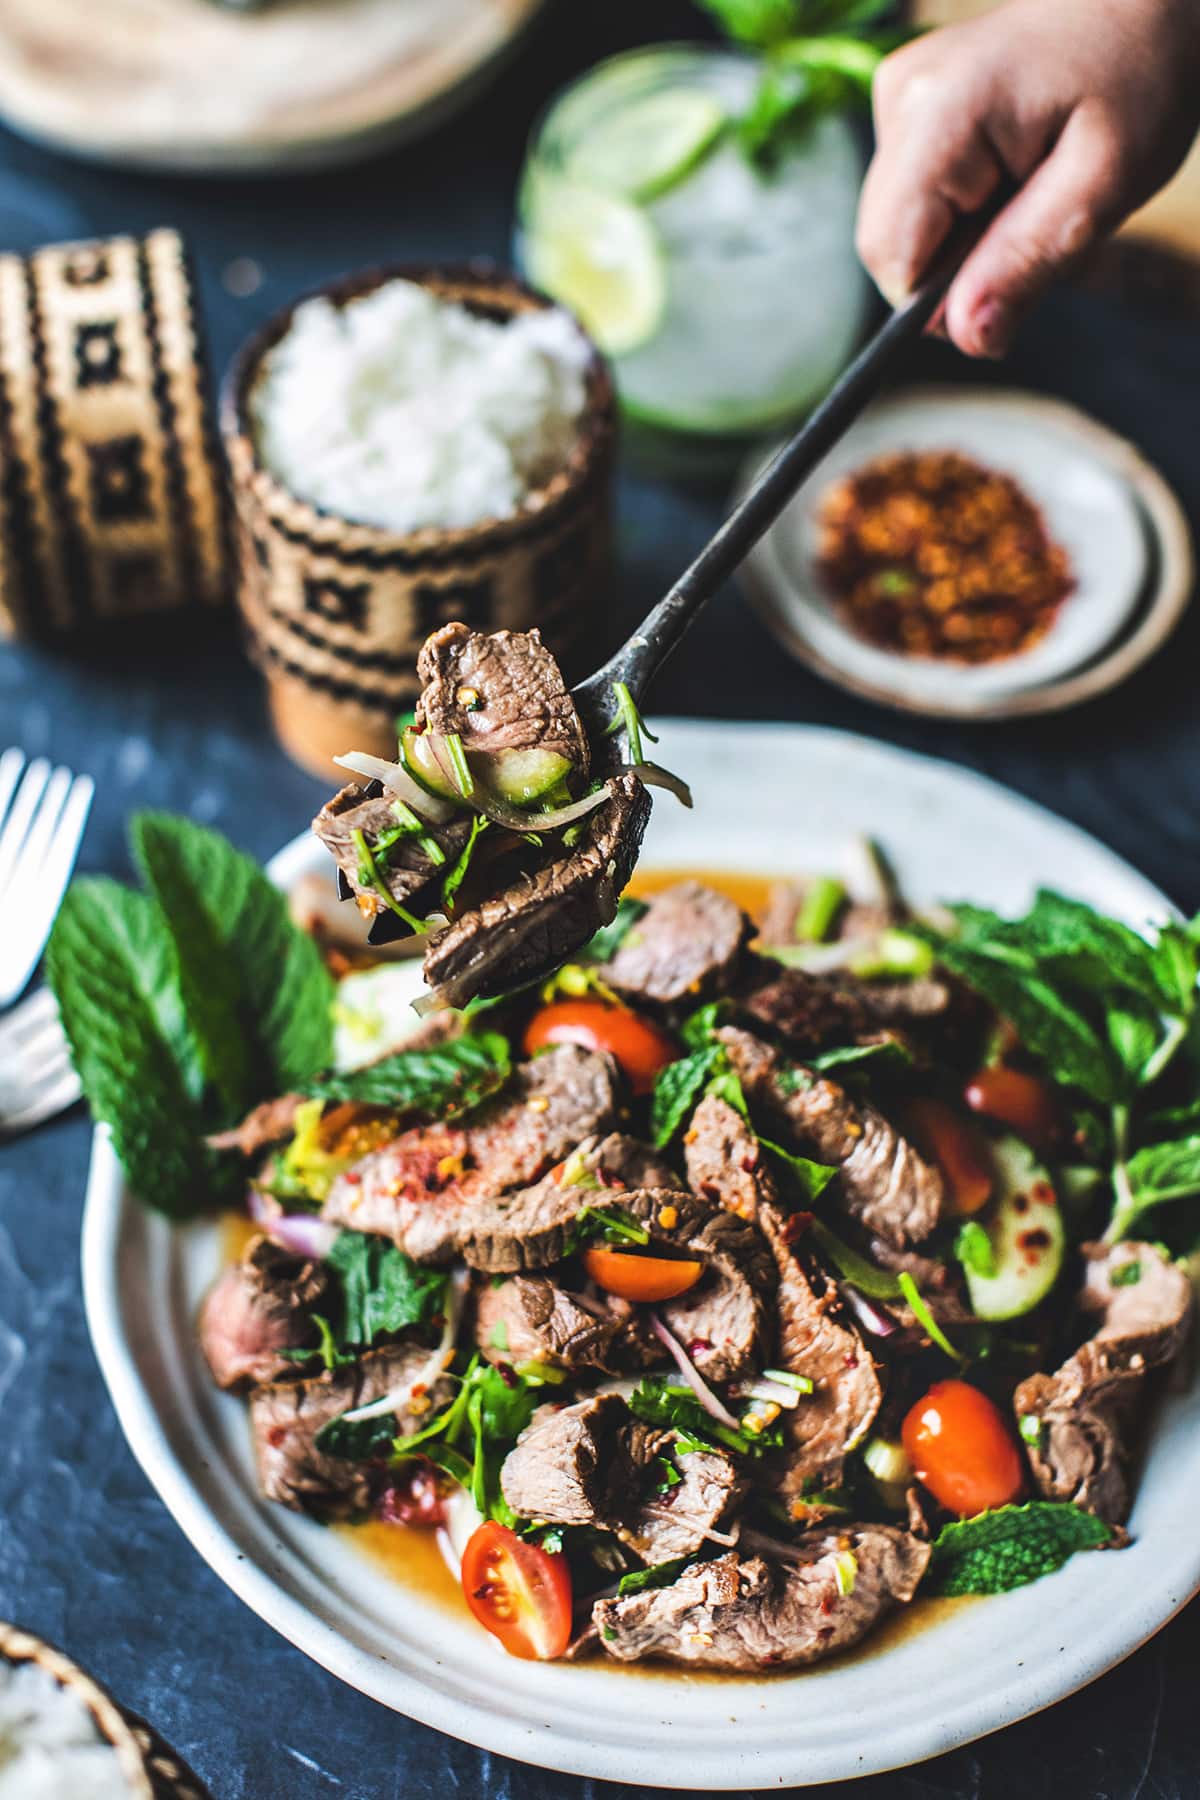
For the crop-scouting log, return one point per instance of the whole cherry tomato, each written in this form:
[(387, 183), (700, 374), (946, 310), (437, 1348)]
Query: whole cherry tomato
[(1013, 1098), (962, 1450), (519, 1593), (958, 1150), (640, 1047)]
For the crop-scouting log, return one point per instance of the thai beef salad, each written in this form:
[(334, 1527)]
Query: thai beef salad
[(714, 1296)]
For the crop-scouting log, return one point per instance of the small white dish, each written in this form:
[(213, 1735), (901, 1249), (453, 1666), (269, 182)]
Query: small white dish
[(768, 799), (1090, 487)]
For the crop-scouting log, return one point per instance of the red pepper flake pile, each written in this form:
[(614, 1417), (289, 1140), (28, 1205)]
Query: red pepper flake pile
[(931, 554)]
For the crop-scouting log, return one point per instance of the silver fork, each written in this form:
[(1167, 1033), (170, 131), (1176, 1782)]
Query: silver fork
[(43, 812), (42, 816), (36, 1076)]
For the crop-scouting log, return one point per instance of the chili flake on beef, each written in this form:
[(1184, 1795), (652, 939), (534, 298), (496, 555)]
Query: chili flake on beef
[(931, 554)]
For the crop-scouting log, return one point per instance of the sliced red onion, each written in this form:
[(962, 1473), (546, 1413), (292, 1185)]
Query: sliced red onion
[(397, 780), (654, 775), (304, 1234), (866, 1312), (691, 1374)]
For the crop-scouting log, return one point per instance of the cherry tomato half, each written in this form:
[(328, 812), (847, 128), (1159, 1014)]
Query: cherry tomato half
[(962, 1450), (958, 1150), (640, 1277), (1022, 1102), (640, 1048), (521, 1594)]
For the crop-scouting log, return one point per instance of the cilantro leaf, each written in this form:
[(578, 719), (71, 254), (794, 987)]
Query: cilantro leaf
[(1000, 1550), (233, 935), (660, 1400), (112, 968), (383, 1290), (447, 1081)]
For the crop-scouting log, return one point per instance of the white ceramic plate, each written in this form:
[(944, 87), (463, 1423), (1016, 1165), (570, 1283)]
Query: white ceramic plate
[(1085, 480), (768, 798)]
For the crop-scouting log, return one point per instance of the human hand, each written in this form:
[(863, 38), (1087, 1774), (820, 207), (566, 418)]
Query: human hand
[(1085, 106)]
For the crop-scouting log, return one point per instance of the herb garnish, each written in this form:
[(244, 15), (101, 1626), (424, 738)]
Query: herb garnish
[(1001, 1550), (445, 1081)]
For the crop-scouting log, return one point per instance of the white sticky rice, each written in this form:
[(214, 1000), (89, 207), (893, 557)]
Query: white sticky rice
[(402, 410), (50, 1748)]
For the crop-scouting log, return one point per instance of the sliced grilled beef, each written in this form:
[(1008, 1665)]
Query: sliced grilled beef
[(498, 691), (529, 1318), (886, 1184), (542, 919), (684, 949), (815, 1336), (811, 1011), (286, 1416), (593, 1463), (422, 1189), (263, 1126), (1088, 1413), (532, 1228), (411, 876), (256, 1310), (745, 1615), (722, 1321), (724, 1160), (941, 1287)]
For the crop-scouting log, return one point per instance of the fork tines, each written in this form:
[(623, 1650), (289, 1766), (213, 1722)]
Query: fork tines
[(43, 811)]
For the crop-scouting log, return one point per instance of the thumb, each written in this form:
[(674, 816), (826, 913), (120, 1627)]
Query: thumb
[(1070, 201)]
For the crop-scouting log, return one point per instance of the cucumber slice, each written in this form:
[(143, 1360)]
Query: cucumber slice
[(1024, 1226), (523, 776), (642, 149), (423, 765)]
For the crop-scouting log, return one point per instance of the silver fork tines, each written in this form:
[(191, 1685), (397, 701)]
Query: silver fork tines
[(36, 1077), (43, 812)]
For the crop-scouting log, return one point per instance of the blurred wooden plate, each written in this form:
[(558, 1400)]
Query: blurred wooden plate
[(188, 85), (796, 613)]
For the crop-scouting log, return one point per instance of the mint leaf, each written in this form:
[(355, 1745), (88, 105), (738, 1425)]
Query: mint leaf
[(812, 1177), (677, 1091), (1001, 1550), (383, 1290), (285, 991), (111, 965), (876, 1283), (1134, 1036), (1161, 1172), (208, 981), (891, 1051), (446, 1081), (1047, 1024)]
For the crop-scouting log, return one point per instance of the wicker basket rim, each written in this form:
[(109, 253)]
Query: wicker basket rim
[(478, 284), (17, 1646)]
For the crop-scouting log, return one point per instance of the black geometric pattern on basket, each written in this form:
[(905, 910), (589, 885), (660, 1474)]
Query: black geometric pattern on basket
[(343, 602), (472, 602), (557, 569), (86, 267), (120, 489), (97, 354)]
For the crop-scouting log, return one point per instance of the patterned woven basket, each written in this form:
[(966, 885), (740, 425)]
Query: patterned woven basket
[(336, 612), (150, 1767), (113, 501)]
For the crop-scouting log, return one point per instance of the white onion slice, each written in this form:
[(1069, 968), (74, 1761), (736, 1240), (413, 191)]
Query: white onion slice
[(397, 780), (652, 774), (774, 1392), (691, 1374)]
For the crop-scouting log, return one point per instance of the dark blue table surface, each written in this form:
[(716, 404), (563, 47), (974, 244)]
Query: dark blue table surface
[(88, 1555)]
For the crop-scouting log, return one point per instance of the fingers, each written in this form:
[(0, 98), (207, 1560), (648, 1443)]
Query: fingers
[(933, 162), (1075, 196)]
